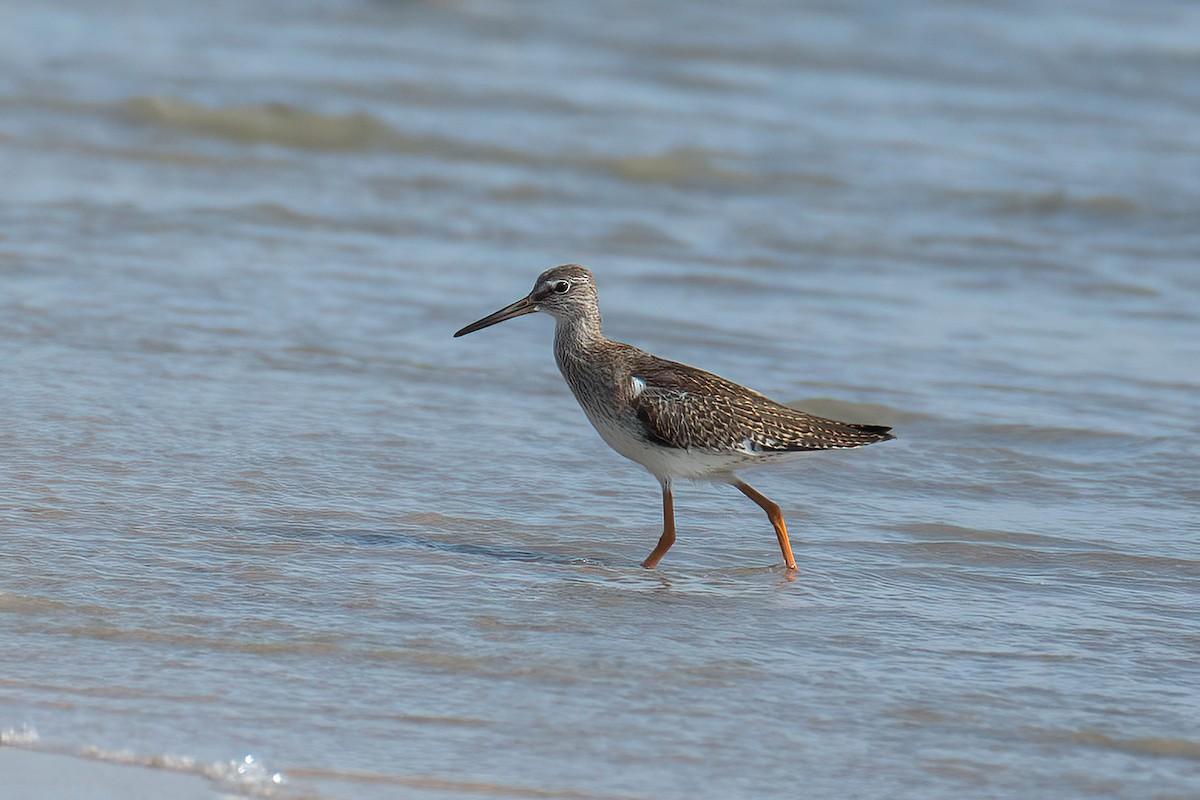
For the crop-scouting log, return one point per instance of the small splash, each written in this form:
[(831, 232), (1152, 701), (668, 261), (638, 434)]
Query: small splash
[(18, 737), (246, 774)]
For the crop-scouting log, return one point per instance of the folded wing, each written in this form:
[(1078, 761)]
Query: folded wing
[(687, 408)]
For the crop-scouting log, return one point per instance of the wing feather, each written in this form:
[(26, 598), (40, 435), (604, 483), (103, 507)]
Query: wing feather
[(687, 408)]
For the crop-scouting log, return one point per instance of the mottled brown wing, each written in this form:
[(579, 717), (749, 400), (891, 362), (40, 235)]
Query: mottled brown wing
[(689, 408)]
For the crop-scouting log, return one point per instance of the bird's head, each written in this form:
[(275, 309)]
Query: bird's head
[(563, 292)]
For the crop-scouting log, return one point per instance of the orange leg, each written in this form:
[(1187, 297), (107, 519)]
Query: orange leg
[(668, 535), (776, 517)]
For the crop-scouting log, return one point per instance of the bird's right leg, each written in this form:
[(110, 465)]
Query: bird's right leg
[(668, 535), (776, 517)]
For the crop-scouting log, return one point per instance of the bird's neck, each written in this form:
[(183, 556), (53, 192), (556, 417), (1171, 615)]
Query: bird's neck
[(574, 337)]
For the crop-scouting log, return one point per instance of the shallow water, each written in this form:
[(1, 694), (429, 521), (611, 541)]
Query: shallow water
[(257, 501)]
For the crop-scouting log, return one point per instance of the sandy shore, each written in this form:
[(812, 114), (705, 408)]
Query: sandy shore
[(36, 775)]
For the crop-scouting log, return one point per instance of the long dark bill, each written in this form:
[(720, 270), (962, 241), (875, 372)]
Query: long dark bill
[(520, 308)]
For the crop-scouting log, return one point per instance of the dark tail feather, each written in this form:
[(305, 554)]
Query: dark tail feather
[(833, 435), (881, 433)]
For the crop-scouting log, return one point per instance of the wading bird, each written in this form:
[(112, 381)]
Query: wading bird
[(676, 421)]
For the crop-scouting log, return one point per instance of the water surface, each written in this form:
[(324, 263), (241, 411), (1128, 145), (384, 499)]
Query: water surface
[(257, 501)]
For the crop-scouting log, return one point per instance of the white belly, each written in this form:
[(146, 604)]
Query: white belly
[(669, 462)]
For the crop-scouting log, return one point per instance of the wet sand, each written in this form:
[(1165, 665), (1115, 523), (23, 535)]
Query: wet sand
[(34, 775)]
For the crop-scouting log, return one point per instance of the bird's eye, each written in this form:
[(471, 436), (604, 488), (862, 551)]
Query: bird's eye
[(561, 287)]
